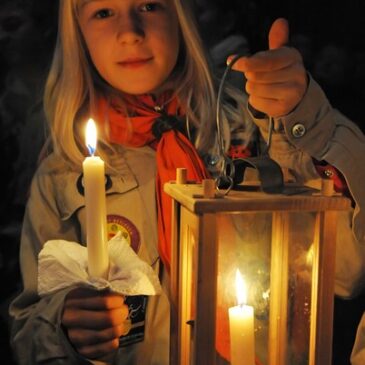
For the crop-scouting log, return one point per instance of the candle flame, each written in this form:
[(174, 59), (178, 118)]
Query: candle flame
[(91, 136), (241, 290)]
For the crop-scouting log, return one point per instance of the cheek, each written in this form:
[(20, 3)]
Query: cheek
[(95, 44), (98, 55), (172, 45), (171, 58)]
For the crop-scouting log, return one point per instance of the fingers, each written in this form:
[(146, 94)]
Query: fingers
[(94, 300), (92, 310), (84, 337), (267, 61), (271, 106), (276, 78), (279, 33), (97, 344), (95, 320), (276, 92), (99, 350), (291, 73), (273, 91)]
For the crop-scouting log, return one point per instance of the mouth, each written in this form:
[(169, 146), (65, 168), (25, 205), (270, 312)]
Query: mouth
[(135, 62)]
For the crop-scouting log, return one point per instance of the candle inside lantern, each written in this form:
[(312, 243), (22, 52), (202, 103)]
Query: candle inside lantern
[(241, 325), (94, 188)]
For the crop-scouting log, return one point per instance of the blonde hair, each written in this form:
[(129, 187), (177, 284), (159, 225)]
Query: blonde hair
[(72, 85)]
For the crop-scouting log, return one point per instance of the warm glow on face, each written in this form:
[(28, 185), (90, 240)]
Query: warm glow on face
[(91, 136), (241, 290)]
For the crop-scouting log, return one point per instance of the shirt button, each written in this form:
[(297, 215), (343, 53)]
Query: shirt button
[(298, 130), (212, 160)]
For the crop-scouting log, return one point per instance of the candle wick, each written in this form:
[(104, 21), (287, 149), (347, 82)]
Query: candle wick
[(241, 305), (91, 150)]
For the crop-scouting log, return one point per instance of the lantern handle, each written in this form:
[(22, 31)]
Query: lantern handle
[(219, 114), (227, 176)]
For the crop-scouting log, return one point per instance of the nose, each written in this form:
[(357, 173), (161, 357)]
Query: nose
[(130, 29)]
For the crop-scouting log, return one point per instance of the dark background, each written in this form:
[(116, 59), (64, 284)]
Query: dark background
[(330, 35)]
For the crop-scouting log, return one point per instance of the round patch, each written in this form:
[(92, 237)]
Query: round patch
[(117, 223)]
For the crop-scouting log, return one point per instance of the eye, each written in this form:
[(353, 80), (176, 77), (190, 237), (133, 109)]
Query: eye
[(103, 13), (153, 6)]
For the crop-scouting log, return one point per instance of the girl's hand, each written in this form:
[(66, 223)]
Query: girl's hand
[(276, 79), (94, 321)]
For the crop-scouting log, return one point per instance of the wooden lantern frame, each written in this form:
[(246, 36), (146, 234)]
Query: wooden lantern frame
[(193, 298)]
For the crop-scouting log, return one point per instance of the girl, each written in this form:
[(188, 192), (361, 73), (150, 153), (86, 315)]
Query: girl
[(127, 63), (139, 69)]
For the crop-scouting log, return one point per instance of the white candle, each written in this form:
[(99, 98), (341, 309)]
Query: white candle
[(241, 326), (94, 187)]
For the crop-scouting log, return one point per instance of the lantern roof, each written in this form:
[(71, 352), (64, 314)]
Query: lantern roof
[(294, 198)]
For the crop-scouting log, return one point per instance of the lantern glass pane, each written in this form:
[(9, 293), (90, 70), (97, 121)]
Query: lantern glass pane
[(274, 252)]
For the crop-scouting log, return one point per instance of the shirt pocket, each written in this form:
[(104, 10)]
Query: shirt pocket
[(71, 202), (71, 190)]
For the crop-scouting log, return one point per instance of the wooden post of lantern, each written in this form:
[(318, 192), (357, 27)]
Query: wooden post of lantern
[(195, 261), (279, 290), (175, 337)]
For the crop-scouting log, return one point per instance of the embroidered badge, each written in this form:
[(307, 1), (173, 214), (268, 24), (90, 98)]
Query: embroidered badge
[(117, 223)]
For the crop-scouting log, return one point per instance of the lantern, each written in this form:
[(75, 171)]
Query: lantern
[(283, 246)]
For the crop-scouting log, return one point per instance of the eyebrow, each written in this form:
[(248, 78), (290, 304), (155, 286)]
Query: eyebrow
[(85, 2)]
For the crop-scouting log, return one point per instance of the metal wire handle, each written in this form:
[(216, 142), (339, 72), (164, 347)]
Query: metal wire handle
[(227, 162)]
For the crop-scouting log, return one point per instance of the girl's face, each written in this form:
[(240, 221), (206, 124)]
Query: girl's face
[(133, 44)]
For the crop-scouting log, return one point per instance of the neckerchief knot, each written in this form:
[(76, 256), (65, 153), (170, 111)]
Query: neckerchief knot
[(166, 123)]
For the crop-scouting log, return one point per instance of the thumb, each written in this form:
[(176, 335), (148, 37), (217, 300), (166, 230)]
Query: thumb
[(279, 33)]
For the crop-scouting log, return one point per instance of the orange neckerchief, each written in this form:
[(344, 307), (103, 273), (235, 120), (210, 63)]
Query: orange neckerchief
[(173, 150)]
